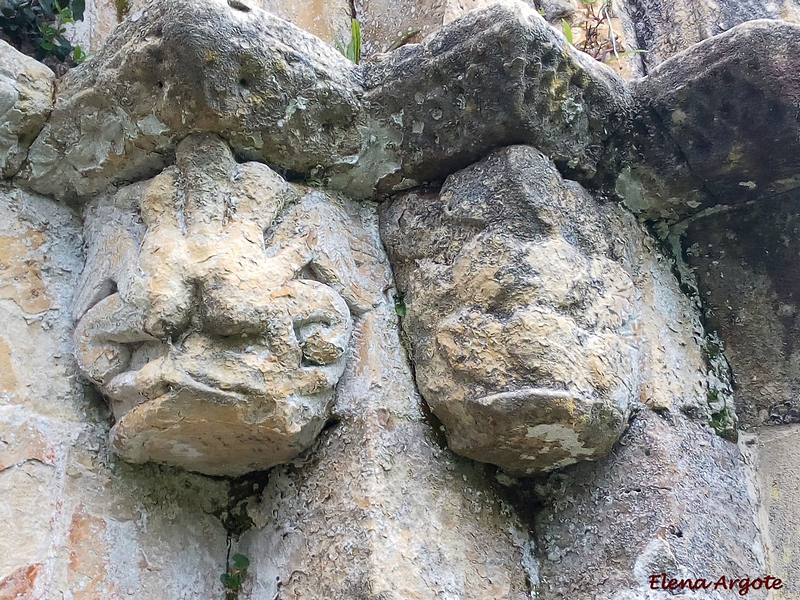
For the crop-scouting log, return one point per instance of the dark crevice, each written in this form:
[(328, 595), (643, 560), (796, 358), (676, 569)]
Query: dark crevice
[(242, 491)]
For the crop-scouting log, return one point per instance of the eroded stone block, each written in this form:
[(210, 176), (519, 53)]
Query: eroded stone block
[(497, 76), (26, 98), (717, 124), (274, 91)]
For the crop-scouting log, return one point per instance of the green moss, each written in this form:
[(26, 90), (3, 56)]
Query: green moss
[(723, 424), (123, 8)]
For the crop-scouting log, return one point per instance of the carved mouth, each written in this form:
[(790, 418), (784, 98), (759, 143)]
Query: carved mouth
[(126, 394), (517, 398)]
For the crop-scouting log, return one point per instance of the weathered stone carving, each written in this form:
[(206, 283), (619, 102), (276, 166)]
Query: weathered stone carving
[(520, 316), (220, 304), (214, 355)]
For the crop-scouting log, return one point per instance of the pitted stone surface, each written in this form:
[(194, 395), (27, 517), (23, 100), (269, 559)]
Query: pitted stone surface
[(497, 76), (717, 124), (745, 264), (222, 307), (26, 98), (199, 330), (494, 77)]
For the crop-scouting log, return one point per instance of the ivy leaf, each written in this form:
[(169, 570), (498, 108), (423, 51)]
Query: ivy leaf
[(240, 561), (78, 55), (234, 582), (567, 30)]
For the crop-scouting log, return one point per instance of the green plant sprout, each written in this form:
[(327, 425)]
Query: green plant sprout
[(233, 578), (400, 303), (353, 49)]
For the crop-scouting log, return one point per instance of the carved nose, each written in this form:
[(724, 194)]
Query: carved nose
[(210, 286), (232, 303)]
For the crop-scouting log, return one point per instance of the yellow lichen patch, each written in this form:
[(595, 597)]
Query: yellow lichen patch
[(20, 277), (678, 116), (735, 154), (8, 379)]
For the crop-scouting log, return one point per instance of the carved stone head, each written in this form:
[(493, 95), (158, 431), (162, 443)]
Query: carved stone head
[(215, 311), (521, 313)]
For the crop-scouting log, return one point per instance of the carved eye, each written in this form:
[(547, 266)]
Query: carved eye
[(237, 5), (91, 295)]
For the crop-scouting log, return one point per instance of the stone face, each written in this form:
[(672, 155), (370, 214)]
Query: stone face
[(203, 317), (273, 91), (26, 98), (533, 329), (716, 124), (517, 313), (494, 77)]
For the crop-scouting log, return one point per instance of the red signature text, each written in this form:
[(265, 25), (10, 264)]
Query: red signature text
[(742, 585)]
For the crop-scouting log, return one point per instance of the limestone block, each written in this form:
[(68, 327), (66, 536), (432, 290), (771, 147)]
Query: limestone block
[(326, 19), (493, 77), (380, 508), (716, 124), (26, 98), (744, 261), (141, 532), (215, 312), (666, 27), (672, 498), (517, 313), (279, 95), (100, 17), (28, 506), (40, 262), (274, 91)]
